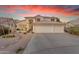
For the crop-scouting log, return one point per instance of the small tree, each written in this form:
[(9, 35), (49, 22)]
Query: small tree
[(3, 30)]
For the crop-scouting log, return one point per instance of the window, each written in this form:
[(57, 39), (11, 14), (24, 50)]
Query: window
[(57, 20), (38, 19), (52, 19)]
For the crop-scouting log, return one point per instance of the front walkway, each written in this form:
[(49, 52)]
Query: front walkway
[(57, 43)]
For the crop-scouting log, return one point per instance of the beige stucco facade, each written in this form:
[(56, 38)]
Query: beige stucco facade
[(41, 24), (48, 27), (23, 26)]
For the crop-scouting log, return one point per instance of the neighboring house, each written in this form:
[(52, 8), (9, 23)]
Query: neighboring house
[(44, 24), (73, 23), (8, 22), (23, 26), (68, 25)]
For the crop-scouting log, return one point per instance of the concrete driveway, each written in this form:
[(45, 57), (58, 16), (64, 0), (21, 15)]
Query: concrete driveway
[(55, 43)]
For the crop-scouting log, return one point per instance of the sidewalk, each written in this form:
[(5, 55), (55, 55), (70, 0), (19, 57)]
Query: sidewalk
[(24, 39)]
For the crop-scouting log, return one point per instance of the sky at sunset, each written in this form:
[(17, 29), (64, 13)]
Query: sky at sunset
[(67, 12)]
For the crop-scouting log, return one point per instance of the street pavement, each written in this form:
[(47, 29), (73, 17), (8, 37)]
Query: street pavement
[(53, 43)]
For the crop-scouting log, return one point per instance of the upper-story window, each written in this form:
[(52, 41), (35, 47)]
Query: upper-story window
[(52, 19), (57, 20), (38, 19)]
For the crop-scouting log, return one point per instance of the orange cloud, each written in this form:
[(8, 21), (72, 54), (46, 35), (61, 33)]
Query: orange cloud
[(44, 9), (36, 9)]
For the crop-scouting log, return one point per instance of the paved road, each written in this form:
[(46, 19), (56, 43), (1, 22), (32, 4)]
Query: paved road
[(57, 43)]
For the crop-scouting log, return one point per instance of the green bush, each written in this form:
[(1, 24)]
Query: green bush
[(73, 30)]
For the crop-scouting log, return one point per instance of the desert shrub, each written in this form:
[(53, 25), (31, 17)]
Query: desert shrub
[(8, 36), (4, 30), (19, 50), (18, 29)]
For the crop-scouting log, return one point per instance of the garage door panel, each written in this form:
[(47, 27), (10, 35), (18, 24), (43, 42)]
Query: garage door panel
[(48, 29), (58, 29), (43, 29)]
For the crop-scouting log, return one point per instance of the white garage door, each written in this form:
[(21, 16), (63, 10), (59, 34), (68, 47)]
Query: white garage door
[(58, 28), (43, 29), (48, 29)]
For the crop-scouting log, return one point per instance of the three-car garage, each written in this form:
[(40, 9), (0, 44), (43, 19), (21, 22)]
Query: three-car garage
[(48, 28)]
